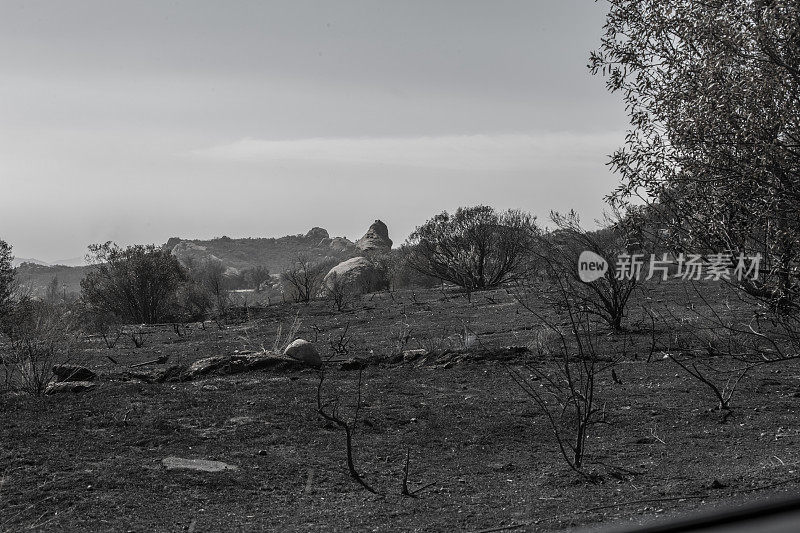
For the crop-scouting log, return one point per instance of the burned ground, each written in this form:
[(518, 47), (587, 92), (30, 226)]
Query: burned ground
[(481, 455)]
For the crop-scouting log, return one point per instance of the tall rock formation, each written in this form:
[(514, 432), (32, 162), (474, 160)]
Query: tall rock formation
[(376, 239)]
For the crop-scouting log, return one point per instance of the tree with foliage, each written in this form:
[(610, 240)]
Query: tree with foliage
[(6, 274), (712, 91), (210, 275), (475, 248), (136, 284), (258, 275)]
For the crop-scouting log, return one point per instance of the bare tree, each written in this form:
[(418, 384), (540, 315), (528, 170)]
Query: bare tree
[(558, 253), (718, 345), (339, 291), (329, 410), (565, 385), (40, 335), (475, 248), (304, 278)]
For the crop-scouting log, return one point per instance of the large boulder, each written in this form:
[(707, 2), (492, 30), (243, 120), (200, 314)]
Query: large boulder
[(357, 275), (302, 350), (376, 239)]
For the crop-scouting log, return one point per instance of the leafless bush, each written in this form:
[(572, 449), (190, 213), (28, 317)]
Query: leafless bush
[(564, 384), (339, 292), (136, 335), (330, 411), (400, 335), (340, 344), (545, 342), (303, 280), (718, 346), (285, 338), (557, 255), (38, 335)]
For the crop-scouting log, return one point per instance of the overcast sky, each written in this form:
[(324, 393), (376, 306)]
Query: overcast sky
[(140, 120)]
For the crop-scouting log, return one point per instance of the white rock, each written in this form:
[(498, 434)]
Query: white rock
[(302, 350)]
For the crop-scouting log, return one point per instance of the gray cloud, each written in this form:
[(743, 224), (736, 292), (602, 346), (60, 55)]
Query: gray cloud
[(135, 121)]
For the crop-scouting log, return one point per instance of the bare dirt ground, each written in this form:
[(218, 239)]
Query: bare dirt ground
[(481, 456)]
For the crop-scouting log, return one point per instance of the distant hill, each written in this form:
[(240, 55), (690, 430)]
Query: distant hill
[(17, 261), (276, 254), (36, 277), (72, 262)]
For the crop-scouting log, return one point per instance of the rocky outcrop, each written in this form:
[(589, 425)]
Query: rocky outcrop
[(317, 234), (275, 254), (340, 244), (376, 239), (237, 363), (358, 275), (189, 253)]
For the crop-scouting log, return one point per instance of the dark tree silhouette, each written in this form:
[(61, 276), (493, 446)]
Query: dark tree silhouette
[(135, 284), (475, 248), (712, 91)]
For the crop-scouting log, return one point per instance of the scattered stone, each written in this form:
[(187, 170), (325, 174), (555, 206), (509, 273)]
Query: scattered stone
[(59, 387), (716, 484), (411, 355), (502, 467), (352, 364), (202, 465), (376, 239), (73, 373), (158, 375), (302, 350)]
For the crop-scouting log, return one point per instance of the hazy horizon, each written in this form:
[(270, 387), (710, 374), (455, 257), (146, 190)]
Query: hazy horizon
[(137, 122)]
